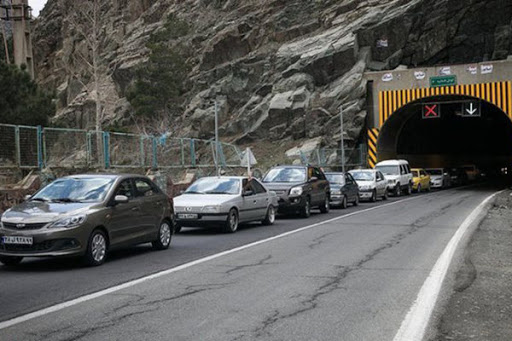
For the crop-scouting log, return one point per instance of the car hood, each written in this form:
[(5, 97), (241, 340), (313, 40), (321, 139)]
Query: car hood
[(279, 186), (42, 212), (365, 183), (436, 177), (335, 187), (202, 199)]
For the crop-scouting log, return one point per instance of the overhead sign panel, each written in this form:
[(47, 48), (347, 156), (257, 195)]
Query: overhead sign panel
[(443, 81), (472, 109), (431, 110)]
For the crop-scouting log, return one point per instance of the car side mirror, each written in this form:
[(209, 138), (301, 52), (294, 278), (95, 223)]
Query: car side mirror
[(27, 197), (247, 193), (445, 174), (121, 199), (313, 179)]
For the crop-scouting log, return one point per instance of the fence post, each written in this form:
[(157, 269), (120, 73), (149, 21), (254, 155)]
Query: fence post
[(106, 149), (182, 152), (193, 152), (17, 142), (141, 147), (40, 147), (155, 156), (222, 157)]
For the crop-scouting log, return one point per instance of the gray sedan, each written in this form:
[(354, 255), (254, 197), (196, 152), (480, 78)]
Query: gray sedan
[(225, 202)]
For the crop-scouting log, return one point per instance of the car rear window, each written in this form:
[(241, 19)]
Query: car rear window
[(286, 175)]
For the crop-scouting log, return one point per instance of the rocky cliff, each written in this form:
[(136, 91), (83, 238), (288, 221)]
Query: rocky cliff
[(280, 69)]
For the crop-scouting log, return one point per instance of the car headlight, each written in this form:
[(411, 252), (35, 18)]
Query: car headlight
[(211, 209), (336, 192), (296, 191), (69, 222)]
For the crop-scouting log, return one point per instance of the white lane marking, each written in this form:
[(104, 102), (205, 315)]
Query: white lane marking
[(88, 297), (416, 321)]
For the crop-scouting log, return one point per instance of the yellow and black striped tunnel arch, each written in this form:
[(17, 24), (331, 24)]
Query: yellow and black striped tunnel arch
[(497, 93)]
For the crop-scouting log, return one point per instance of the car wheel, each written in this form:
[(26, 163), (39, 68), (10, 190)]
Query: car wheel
[(418, 189), (398, 190), (374, 196), (164, 236), (325, 206), (270, 218), (10, 260), (385, 196), (356, 202), (231, 224), (408, 191), (428, 188), (306, 210), (96, 248), (344, 202)]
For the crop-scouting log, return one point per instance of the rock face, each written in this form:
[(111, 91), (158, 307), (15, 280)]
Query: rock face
[(279, 69)]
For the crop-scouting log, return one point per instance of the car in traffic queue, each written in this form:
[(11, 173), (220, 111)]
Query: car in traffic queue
[(225, 202), (458, 176), (420, 180), (472, 172), (344, 189), (439, 178), (87, 215), (372, 184), (399, 176), (299, 188)]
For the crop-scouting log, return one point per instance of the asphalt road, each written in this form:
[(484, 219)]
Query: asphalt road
[(350, 279)]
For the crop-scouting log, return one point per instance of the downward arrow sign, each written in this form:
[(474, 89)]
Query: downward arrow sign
[(471, 110)]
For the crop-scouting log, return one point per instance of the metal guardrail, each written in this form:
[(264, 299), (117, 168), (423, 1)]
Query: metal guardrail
[(38, 147)]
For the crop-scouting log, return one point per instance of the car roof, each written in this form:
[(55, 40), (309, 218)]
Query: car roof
[(363, 170), (291, 166), (334, 173), (392, 163), (105, 176), (225, 177)]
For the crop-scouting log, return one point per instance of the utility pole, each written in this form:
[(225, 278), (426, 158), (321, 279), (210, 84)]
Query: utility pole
[(217, 168), (342, 145)]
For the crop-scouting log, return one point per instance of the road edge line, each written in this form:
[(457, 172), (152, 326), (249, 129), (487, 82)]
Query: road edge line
[(415, 324)]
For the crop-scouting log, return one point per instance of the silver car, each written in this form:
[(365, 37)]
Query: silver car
[(225, 202), (372, 184)]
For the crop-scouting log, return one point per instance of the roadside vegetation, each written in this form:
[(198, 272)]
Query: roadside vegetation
[(160, 83)]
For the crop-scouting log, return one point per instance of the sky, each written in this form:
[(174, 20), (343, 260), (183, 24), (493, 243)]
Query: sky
[(37, 6)]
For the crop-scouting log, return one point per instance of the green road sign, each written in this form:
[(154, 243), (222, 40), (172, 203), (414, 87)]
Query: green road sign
[(443, 81)]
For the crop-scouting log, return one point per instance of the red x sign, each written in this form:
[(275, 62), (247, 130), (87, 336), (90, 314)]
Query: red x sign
[(431, 111)]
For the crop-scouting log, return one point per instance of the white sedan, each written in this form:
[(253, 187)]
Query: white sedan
[(225, 202)]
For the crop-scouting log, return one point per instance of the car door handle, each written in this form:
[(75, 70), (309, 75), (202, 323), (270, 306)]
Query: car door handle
[(159, 203), (254, 201), (135, 209)]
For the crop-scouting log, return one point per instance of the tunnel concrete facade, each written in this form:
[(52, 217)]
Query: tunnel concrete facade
[(392, 92)]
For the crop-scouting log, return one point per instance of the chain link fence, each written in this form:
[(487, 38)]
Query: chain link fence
[(37, 147), (331, 158)]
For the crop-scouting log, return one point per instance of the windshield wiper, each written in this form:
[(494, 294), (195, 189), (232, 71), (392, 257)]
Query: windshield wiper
[(193, 192), (65, 200), (39, 199), (213, 192)]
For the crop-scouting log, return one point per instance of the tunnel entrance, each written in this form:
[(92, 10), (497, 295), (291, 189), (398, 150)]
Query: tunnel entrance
[(451, 140)]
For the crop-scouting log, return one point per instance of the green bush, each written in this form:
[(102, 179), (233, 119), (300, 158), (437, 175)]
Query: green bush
[(160, 82), (22, 102)]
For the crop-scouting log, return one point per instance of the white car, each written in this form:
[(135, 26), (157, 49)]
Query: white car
[(399, 175), (372, 184), (439, 177)]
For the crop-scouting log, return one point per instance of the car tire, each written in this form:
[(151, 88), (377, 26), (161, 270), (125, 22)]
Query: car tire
[(164, 236), (374, 196), (408, 191), (398, 190), (96, 252), (325, 207), (231, 224), (306, 210), (10, 260), (270, 218), (385, 196), (356, 202), (418, 190), (344, 202)]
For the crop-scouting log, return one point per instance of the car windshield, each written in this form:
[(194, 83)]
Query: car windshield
[(435, 171), (75, 190), (415, 173), (335, 178), (363, 176), (286, 175), (214, 186), (388, 170)]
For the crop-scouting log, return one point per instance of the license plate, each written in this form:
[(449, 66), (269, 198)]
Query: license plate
[(18, 240), (187, 216)]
